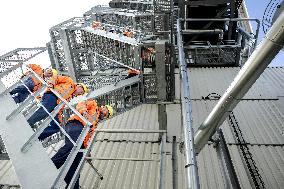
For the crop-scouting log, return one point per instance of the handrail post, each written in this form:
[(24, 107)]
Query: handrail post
[(191, 163)]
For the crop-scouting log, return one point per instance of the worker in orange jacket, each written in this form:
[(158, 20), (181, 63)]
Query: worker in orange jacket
[(66, 87), (21, 92), (74, 126)]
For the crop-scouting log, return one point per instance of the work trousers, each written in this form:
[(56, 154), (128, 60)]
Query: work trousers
[(20, 93), (74, 129), (49, 101)]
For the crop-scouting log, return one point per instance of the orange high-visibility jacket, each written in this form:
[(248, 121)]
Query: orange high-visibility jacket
[(90, 110), (39, 71), (65, 86)]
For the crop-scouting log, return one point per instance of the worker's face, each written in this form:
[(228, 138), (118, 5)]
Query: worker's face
[(104, 111), (79, 91), (48, 73)]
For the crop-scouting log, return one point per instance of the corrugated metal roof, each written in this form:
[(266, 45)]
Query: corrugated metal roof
[(261, 121), (269, 160), (123, 174), (204, 81), (141, 117)]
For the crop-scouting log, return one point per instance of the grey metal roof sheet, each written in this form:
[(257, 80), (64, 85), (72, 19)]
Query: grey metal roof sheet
[(123, 173), (204, 81), (142, 117), (261, 121), (269, 160)]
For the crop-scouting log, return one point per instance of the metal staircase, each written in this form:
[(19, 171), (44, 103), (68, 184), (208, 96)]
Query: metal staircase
[(32, 164), (29, 157)]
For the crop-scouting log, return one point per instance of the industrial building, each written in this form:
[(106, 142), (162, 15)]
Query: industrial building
[(205, 112)]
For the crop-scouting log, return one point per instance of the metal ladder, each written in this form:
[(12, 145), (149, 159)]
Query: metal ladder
[(31, 162)]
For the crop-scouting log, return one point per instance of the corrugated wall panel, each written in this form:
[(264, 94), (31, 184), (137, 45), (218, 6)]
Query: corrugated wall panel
[(142, 117), (261, 121), (270, 162), (123, 174), (204, 81)]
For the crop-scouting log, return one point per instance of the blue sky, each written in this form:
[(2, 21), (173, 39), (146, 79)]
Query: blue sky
[(256, 9)]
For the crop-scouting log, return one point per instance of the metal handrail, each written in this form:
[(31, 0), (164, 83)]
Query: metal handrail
[(191, 163), (229, 20), (60, 178)]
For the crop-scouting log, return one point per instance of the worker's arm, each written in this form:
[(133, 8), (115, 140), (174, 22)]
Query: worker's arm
[(36, 68)]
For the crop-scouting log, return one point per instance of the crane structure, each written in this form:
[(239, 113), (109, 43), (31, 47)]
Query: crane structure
[(178, 124)]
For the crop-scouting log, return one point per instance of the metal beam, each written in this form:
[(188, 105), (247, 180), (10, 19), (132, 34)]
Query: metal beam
[(160, 48), (65, 38), (130, 131), (107, 89), (120, 159), (253, 68)]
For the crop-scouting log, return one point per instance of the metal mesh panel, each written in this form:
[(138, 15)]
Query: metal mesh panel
[(2, 147), (162, 5), (141, 5), (138, 21), (212, 56), (96, 82), (57, 48), (6, 65), (22, 54), (122, 99), (150, 87), (161, 23), (122, 52)]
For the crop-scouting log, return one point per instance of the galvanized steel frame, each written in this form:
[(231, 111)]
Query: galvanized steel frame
[(191, 163)]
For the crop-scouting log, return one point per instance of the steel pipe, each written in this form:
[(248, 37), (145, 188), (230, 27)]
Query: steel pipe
[(191, 164), (228, 19), (130, 131), (194, 32), (250, 72)]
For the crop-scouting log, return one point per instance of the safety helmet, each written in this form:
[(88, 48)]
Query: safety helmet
[(86, 90), (54, 71), (110, 110)]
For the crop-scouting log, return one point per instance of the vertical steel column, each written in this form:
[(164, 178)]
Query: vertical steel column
[(161, 83), (68, 53), (250, 72), (175, 163), (191, 164), (51, 57), (162, 162), (223, 154)]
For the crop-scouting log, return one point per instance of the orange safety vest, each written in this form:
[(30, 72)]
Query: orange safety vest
[(90, 110), (65, 86), (39, 71)]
